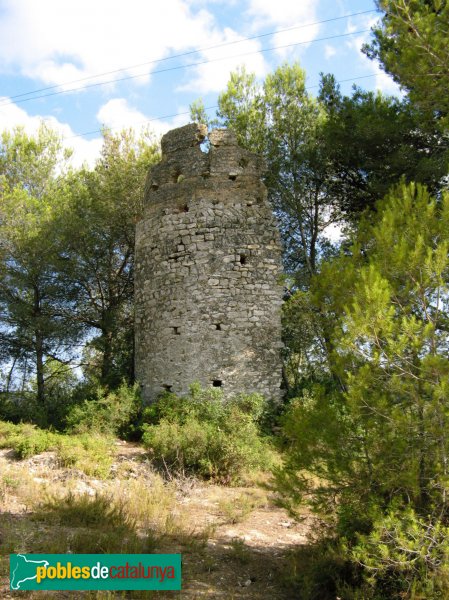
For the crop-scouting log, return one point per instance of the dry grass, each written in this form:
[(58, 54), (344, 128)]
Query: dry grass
[(238, 509), (48, 508), (150, 503)]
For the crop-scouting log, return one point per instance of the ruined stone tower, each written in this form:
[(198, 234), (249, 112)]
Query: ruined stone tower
[(208, 260)]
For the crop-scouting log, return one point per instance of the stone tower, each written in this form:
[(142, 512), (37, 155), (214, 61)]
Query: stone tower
[(208, 261)]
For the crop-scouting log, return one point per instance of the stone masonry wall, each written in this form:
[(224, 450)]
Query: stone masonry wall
[(208, 260)]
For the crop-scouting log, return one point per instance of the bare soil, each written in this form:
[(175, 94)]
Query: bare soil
[(235, 542)]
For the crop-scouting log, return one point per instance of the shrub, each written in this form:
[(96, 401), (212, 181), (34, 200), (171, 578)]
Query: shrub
[(91, 453), (205, 434), (109, 413), (25, 439), (405, 552), (22, 407)]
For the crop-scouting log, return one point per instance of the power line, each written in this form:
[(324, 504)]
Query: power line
[(204, 62), (183, 54), (187, 112), (205, 108)]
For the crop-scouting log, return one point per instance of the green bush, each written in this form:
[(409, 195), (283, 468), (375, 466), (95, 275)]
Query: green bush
[(404, 552), (25, 439), (22, 407), (88, 452), (110, 413), (205, 434), (91, 453)]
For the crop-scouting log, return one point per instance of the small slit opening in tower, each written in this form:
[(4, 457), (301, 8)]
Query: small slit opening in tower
[(167, 387), (243, 259), (218, 326), (232, 176), (217, 383), (176, 331)]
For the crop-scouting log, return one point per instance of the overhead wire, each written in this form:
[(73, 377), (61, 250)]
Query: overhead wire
[(20, 98), (178, 67), (190, 52), (206, 108)]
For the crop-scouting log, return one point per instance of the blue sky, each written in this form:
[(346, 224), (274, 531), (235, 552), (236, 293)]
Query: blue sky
[(53, 44)]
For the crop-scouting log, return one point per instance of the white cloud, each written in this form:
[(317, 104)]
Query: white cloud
[(383, 82), (283, 14), (213, 76), (296, 40), (59, 41), (329, 51), (83, 150), (119, 114)]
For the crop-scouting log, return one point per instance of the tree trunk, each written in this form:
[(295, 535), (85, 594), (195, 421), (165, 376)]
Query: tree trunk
[(8, 379), (39, 349), (106, 362), (40, 368)]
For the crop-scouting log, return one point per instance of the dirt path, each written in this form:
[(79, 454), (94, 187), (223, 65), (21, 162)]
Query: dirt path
[(234, 541)]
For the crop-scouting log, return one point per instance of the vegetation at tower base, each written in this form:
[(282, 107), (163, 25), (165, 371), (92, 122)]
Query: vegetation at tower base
[(208, 435), (371, 459)]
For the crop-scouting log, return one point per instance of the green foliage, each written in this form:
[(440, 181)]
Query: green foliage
[(241, 107), (411, 45), (371, 141), (382, 437), (22, 407), (328, 158), (98, 229), (305, 352), (320, 571), (91, 453), (98, 525), (108, 413), (66, 266), (198, 113), (27, 440), (35, 301), (85, 510), (206, 435), (406, 549), (238, 508), (282, 121)]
